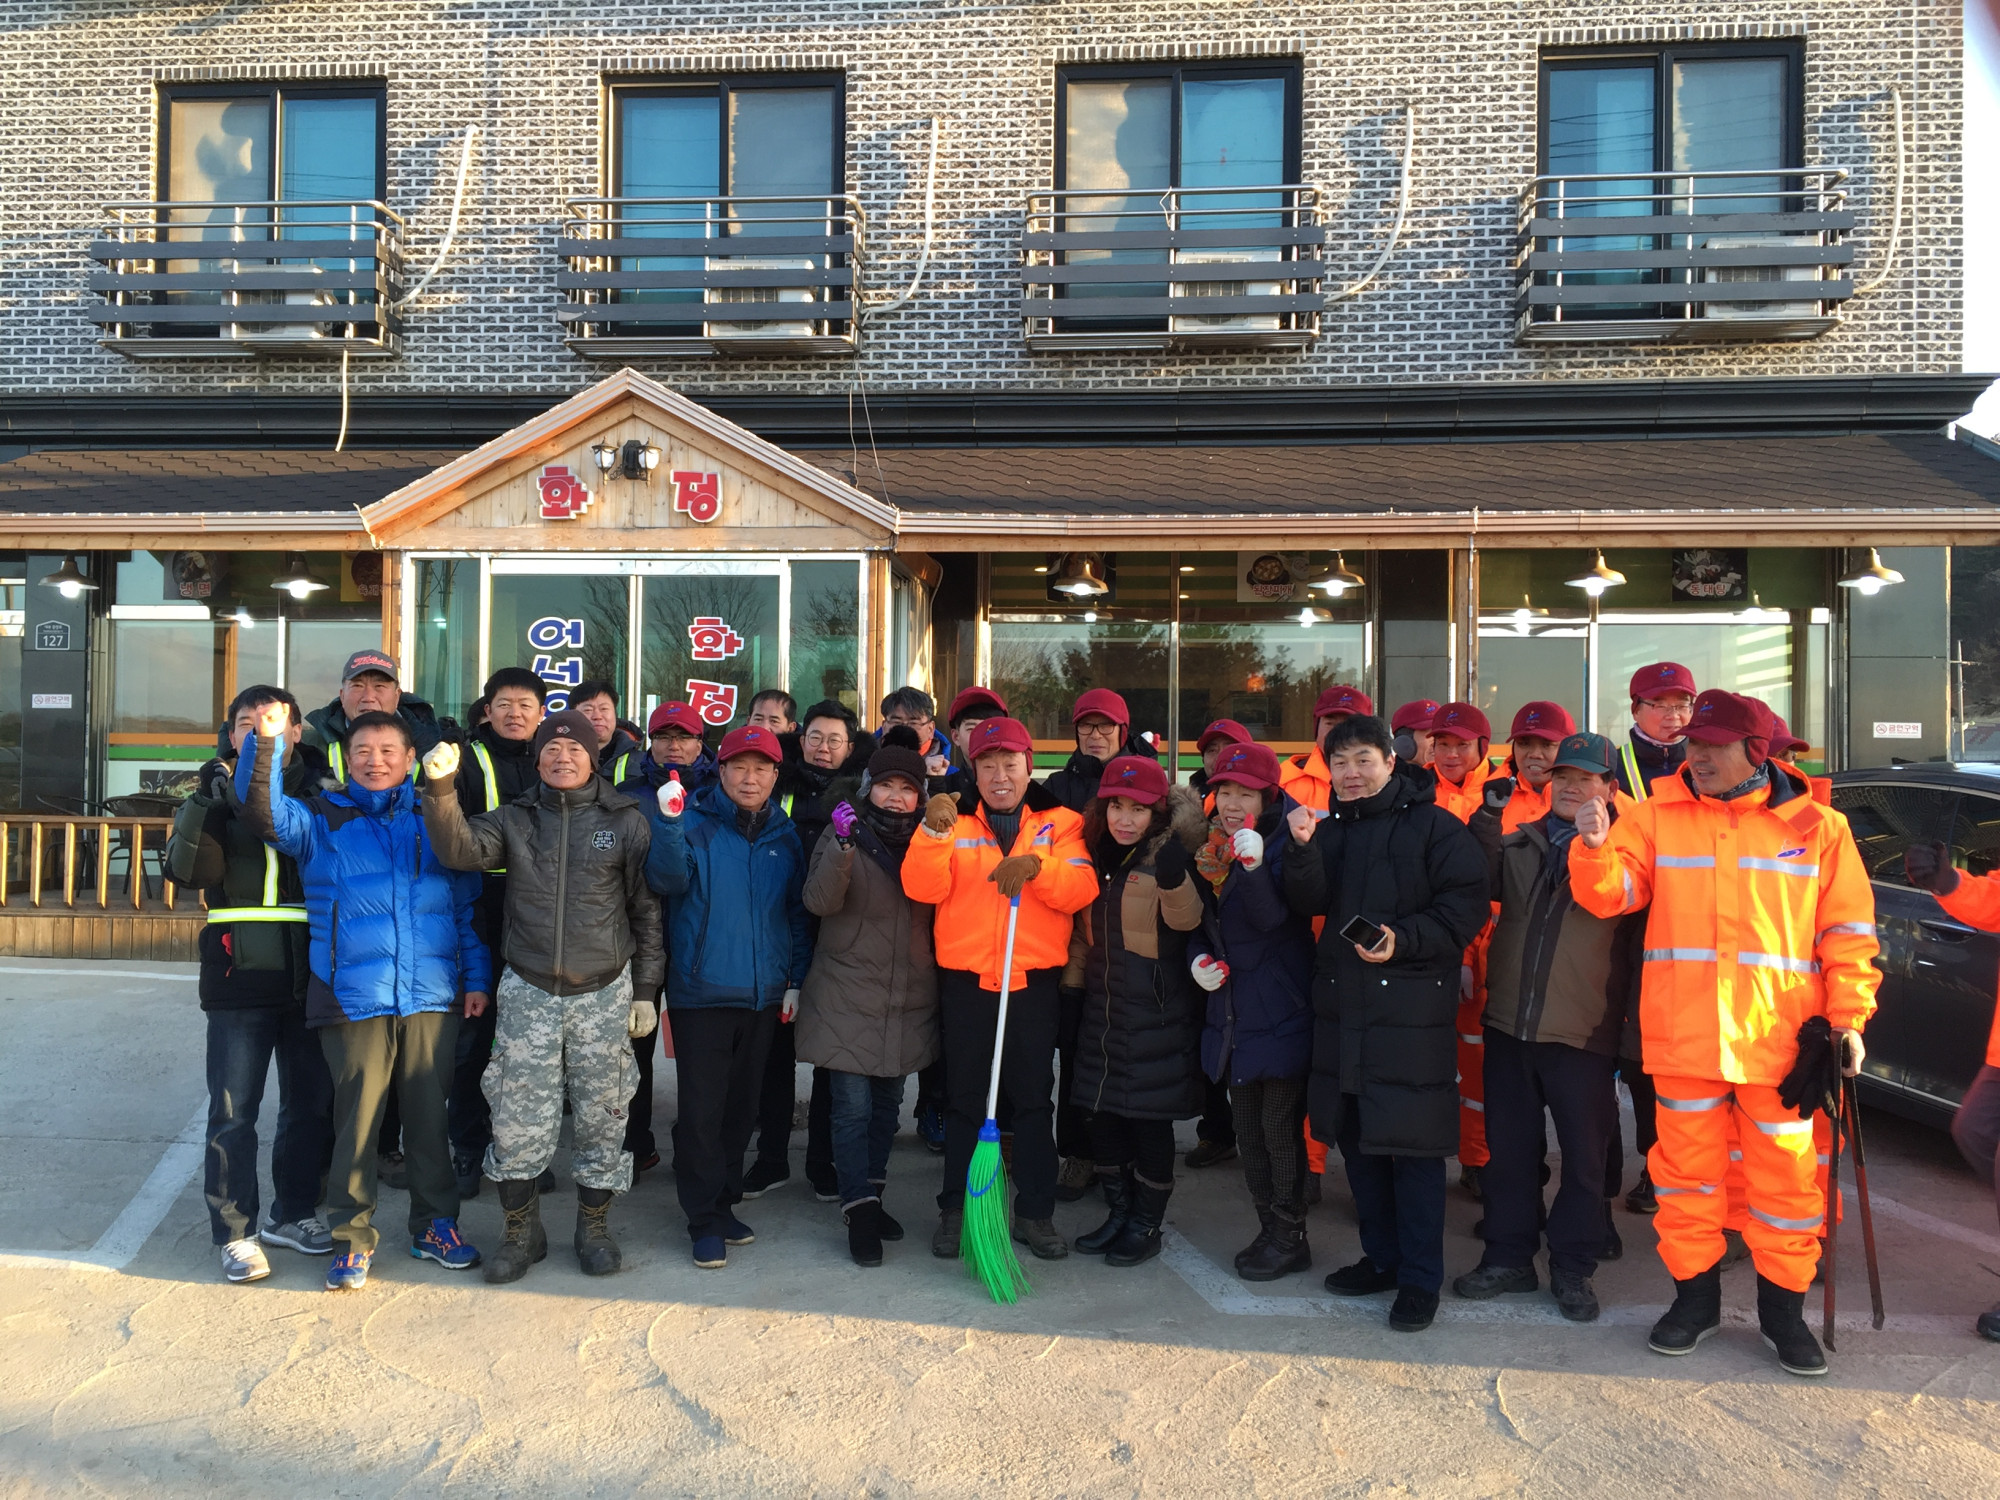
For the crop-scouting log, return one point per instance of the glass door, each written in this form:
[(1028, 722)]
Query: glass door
[(713, 635), (562, 626)]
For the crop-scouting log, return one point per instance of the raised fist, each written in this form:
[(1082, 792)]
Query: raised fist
[(941, 814), (672, 796), (843, 821), (1499, 791), (1593, 823), (441, 764), (1249, 847), (1209, 973), (1929, 868), (1301, 822)]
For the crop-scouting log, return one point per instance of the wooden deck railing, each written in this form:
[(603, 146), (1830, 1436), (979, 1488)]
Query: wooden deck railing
[(43, 855)]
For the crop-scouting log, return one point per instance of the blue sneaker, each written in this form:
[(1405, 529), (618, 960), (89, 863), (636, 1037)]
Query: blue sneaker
[(930, 1127), (349, 1272), (441, 1243), (738, 1233), (710, 1253)]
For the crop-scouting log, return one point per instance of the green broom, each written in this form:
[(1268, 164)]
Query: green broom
[(984, 1241)]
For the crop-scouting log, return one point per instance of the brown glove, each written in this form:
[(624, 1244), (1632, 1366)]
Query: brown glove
[(1013, 873), (941, 813)]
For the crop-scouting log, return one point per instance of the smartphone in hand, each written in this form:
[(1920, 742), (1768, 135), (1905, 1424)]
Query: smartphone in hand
[(1363, 933)]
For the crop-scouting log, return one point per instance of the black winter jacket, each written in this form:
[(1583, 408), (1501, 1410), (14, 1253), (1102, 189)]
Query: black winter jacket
[(514, 776), (326, 727), (1076, 783), (578, 907), (809, 795), (1383, 1033)]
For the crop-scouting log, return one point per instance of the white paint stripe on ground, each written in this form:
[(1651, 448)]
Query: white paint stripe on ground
[(1916, 1218), (128, 1233), (105, 974)]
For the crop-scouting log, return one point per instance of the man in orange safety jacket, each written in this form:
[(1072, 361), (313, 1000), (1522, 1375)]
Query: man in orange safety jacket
[(1460, 739), (1761, 917), (1304, 778)]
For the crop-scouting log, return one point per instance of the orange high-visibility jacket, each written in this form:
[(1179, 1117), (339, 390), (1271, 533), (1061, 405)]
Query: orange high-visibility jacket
[(1525, 805), (1976, 903), (1306, 780), (971, 927), (1762, 916), (1463, 801)]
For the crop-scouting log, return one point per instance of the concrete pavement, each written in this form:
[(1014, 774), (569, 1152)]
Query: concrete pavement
[(128, 1367)]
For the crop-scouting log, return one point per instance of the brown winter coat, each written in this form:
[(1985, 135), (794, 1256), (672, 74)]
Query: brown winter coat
[(870, 1001)]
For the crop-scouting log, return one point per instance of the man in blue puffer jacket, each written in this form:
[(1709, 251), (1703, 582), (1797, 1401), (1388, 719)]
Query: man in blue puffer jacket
[(395, 962), (738, 946)]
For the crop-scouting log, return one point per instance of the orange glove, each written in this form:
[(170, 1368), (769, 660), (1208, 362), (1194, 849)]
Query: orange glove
[(1013, 873)]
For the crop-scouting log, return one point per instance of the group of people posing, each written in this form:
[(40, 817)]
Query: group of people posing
[(1391, 943)]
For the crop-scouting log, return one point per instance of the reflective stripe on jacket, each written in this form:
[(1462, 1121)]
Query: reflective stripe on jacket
[(485, 758), (270, 908), (1976, 903), (1761, 916)]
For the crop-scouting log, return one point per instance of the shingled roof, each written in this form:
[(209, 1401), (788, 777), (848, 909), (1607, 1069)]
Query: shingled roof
[(212, 481)]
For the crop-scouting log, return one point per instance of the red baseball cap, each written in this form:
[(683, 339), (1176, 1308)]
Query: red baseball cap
[(972, 700), (1785, 744), (1542, 720), (1134, 776), (1223, 729), (1417, 715), (1461, 721), (1001, 733), (1103, 701), (751, 739), (1343, 700), (1720, 717), (1662, 677), (1248, 764), (676, 716)]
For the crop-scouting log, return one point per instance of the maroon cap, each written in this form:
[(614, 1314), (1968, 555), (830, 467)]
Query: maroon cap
[(1343, 700), (1461, 721), (566, 724), (998, 734), (1223, 729), (368, 660), (1785, 744), (973, 699), (676, 716), (1720, 717), (1249, 764), (751, 739), (1417, 715), (1542, 720), (1103, 701), (1662, 677), (1134, 776)]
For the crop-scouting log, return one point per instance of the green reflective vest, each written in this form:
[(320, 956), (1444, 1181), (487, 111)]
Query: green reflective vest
[(271, 909), (485, 759)]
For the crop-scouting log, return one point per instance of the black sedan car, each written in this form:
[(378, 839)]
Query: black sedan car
[(1928, 1037)]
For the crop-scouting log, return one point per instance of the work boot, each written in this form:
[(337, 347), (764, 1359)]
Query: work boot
[(1733, 1248), (522, 1239), (1041, 1237), (864, 1231), (1077, 1177), (1209, 1154), (1256, 1246), (1576, 1298), (1642, 1199), (596, 1251), (1484, 1281), (1141, 1239), (1468, 1178), (944, 1239), (1781, 1316), (1117, 1193), (1286, 1251), (1696, 1313)]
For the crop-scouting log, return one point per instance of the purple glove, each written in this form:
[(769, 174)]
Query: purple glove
[(843, 820)]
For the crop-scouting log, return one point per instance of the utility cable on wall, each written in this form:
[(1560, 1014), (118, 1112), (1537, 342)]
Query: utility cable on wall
[(930, 212), (1402, 208), (1896, 211)]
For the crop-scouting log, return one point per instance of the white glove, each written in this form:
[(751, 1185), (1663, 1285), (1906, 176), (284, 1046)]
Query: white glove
[(673, 797), (789, 1006), (1209, 973), (442, 762), (1249, 846), (641, 1018)]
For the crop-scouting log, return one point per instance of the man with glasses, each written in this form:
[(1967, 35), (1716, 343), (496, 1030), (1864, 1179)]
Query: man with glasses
[(914, 709)]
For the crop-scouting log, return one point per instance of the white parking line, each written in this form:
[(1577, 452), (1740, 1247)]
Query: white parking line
[(135, 1224), (6, 969)]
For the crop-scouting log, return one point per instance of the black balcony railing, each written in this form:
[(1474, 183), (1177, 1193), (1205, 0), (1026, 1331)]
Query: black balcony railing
[(244, 279), (1172, 268), (1682, 256), (737, 275)]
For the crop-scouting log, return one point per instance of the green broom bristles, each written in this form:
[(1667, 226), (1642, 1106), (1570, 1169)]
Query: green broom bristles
[(985, 1241)]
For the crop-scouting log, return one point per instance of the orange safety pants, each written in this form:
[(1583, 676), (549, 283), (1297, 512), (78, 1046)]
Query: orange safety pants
[(1737, 1192), (1783, 1199), (1470, 1023)]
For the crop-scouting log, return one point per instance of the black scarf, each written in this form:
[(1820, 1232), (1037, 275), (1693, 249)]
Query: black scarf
[(894, 830), (1006, 826)]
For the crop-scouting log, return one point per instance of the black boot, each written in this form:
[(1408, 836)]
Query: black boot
[(522, 1238), (1118, 1194), (1256, 1246), (864, 1231), (1696, 1313), (1285, 1252), (1781, 1315), (596, 1251), (1141, 1239)]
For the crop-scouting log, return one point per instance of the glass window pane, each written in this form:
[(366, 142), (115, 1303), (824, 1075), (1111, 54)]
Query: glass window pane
[(447, 635), (1232, 132), (1750, 657), (669, 146), (253, 651), (1265, 675), (316, 650), (1888, 819), (826, 633), (1039, 667), (710, 639), (1600, 120), (1527, 657), (1117, 135), (165, 677), (331, 148), (781, 142), (1729, 114), (563, 627), (219, 150)]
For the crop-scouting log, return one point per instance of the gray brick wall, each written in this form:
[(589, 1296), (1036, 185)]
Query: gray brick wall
[(77, 123)]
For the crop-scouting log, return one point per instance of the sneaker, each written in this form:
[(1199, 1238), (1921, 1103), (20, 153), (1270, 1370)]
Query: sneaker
[(1484, 1281), (349, 1272), (1210, 1154), (930, 1128), (736, 1232), (1077, 1177), (243, 1260), (465, 1166), (1642, 1199), (1360, 1279), (392, 1171), (441, 1243), (1413, 1311), (308, 1236), (825, 1186), (1468, 1178), (1576, 1298), (765, 1175), (710, 1253)]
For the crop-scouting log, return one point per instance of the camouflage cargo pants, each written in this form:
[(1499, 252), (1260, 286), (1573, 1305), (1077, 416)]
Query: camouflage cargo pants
[(543, 1044)]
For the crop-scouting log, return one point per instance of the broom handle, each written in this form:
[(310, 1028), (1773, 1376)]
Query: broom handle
[(1000, 1025)]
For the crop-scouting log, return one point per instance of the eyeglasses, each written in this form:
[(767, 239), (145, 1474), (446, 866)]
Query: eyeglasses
[(816, 738), (907, 722)]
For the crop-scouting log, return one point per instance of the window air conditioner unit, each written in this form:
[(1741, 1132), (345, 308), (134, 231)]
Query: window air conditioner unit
[(1227, 322), (1723, 274), (282, 330), (775, 329)]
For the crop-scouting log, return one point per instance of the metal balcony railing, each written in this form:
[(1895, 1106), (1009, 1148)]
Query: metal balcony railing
[(1682, 256), (237, 280), (735, 275), (1183, 267)]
